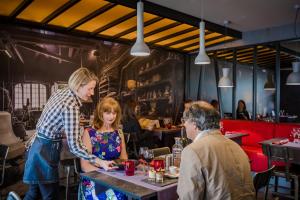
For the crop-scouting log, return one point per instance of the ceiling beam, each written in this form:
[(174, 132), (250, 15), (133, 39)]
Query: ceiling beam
[(60, 10), (114, 23), (92, 15), (20, 8), (208, 40), (152, 21), (179, 16), (162, 29), (173, 35)]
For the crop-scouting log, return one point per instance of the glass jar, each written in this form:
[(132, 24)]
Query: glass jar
[(176, 151)]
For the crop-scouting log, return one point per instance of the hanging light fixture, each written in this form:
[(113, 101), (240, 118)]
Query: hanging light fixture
[(294, 77), (269, 85), (140, 48), (202, 58), (225, 81)]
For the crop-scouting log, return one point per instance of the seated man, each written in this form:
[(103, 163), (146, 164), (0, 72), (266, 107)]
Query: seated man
[(212, 167)]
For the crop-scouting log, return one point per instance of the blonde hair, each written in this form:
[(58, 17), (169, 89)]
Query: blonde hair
[(108, 104), (81, 77)]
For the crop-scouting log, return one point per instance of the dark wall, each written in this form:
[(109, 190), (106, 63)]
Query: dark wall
[(52, 57), (290, 95), (208, 87)]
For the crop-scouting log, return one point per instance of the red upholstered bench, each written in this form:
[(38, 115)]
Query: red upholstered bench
[(258, 131)]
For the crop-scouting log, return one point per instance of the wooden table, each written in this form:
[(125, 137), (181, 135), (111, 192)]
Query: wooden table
[(167, 135), (132, 186), (237, 137)]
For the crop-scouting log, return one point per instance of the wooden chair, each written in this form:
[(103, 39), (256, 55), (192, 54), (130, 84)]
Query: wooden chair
[(261, 180), (288, 171), (161, 151), (3, 156), (71, 179)]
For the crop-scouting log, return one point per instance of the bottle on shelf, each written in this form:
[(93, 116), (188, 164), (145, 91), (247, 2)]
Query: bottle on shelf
[(176, 151)]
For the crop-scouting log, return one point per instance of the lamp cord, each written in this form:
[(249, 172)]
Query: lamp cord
[(295, 22)]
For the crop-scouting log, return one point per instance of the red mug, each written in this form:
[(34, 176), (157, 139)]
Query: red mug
[(129, 167), (159, 165)]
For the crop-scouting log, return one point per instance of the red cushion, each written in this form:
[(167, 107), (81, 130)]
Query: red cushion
[(284, 130), (259, 162), (260, 131)]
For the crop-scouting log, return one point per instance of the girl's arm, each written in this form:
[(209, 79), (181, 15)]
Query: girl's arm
[(123, 155)]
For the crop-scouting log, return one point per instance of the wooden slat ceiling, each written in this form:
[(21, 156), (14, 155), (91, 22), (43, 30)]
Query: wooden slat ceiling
[(108, 20), (266, 56)]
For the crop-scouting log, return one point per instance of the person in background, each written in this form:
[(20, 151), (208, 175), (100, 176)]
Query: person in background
[(241, 111), (212, 166), (215, 104), (60, 116), (129, 119), (106, 141), (187, 103)]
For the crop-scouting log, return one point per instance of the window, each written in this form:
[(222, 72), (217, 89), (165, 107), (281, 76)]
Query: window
[(32, 94)]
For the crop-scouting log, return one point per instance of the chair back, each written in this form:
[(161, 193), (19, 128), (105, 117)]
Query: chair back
[(161, 151), (3, 155), (282, 154), (13, 196), (262, 179), (77, 166)]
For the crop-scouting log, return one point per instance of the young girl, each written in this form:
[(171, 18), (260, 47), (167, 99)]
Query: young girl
[(106, 141)]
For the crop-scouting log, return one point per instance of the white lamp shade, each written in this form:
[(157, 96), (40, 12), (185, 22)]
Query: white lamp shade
[(225, 80), (202, 58), (294, 77), (140, 48)]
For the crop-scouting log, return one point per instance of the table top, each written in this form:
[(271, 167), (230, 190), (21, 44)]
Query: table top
[(166, 130), (292, 145), (235, 135)]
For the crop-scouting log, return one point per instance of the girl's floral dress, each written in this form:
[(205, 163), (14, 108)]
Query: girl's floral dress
[(106, 146)]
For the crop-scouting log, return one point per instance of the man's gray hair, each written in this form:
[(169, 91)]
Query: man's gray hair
[(204, 115)]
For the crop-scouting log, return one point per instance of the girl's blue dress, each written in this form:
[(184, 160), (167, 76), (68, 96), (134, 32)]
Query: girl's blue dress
[(106, 146)]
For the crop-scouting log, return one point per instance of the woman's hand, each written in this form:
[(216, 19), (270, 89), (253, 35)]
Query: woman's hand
[(105, 164)]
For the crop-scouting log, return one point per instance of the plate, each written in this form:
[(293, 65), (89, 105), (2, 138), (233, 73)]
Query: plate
[(172, 175)]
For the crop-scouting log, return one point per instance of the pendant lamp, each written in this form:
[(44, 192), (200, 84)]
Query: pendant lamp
[(202, 58), (269, 85), (140, 48), (225, 80), (294, 77)]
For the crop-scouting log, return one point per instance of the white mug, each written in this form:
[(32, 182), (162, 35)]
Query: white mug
[(173, 170)]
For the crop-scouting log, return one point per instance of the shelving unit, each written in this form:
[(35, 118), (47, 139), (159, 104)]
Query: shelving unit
[(107, 86)]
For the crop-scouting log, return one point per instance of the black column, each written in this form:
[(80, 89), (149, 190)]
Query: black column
[(254, 83), (234, 84), (277, 83), (217, 80)]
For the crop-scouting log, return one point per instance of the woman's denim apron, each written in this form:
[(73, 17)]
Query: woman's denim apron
[(42, 162)]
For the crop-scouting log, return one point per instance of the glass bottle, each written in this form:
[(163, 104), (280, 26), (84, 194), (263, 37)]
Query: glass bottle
[(176, 151)]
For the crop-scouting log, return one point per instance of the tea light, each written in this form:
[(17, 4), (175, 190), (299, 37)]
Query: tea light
[(159, 177), (151, 174)]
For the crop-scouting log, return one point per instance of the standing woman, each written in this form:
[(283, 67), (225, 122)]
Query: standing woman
[(60, 115)]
